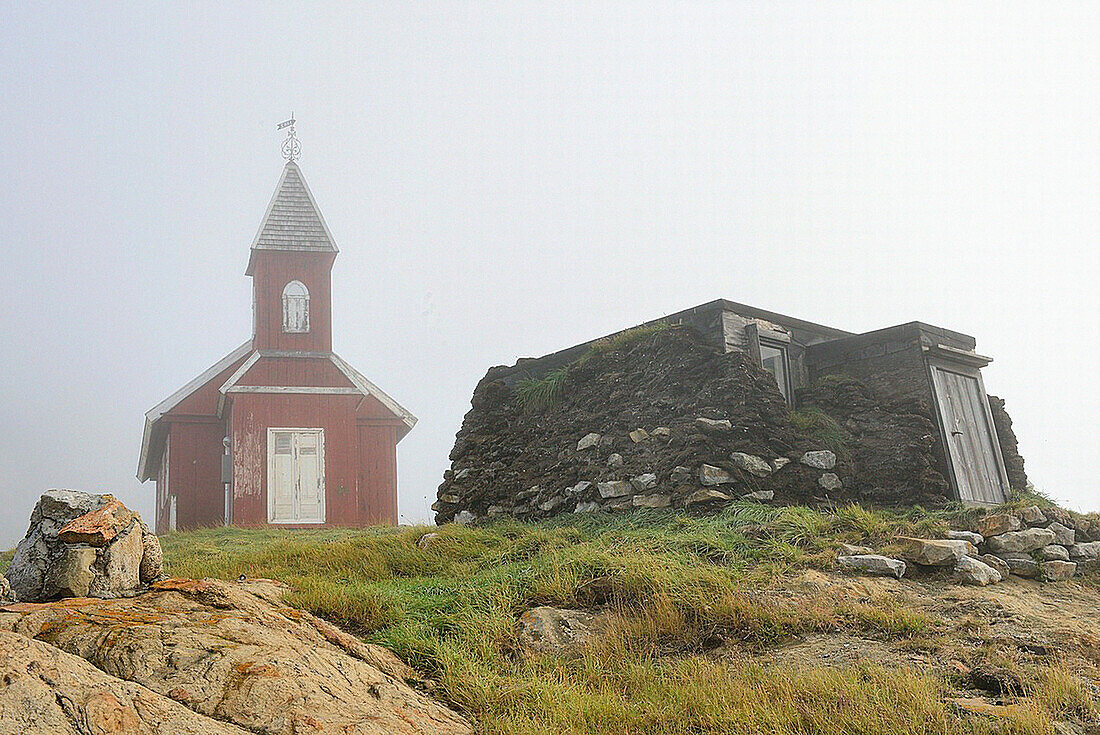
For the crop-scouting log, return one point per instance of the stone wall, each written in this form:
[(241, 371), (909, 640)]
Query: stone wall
[(669, 420), (1006, 437)]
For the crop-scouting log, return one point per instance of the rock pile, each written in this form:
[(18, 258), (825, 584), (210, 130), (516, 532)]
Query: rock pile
[(665, 421), (82, 545), (1035, 543)]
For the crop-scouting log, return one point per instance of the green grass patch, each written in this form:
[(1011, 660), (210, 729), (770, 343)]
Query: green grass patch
[(823, 429), (534, 395)]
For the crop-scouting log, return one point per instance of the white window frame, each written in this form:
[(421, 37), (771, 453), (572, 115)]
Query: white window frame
[(303, 327), (320, 432), (785, 389)]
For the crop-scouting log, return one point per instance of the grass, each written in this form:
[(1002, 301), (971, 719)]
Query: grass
[(677, 589), (822, 428)]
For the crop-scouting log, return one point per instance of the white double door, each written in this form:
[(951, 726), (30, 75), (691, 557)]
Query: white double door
[(295, 476)]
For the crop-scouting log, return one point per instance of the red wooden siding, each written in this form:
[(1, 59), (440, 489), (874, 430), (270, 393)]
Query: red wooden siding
[(254, 414), (273, 270), (204, 401), (377, 473), (194, 473), (295, 371)]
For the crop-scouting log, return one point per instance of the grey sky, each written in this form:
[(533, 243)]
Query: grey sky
[(509, 179)]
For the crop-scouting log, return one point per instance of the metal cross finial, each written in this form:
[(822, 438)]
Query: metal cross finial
[(291, 147)]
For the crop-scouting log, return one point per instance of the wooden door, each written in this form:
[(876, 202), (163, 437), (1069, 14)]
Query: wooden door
[(296, 477), (971, 439)]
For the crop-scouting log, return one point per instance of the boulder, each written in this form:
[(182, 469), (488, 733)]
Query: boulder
[(639, 435), (872, 564), (5, 591), (464, 518), (751, 464), (652, 501), (712, 426), (615, 489), (235, 654), (575, 491), (1020, 541), (1063, 535), (820, 460), (588, 441), (996, 524), (706, 495), (1090, 550), (1032, 515), (969, 570), (780, 462), (1022, 565), (997, 563), (49, 692), (81, 544), (615, 460), (648, 481), (587, 507), (1054, 552), (936, 552), (554, 631), (1055, 571), (975, 538), (710, 476), (550, 503), (760, 496), (829, 481)]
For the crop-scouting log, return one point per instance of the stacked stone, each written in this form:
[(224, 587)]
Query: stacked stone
[(736, 476), (1049, 545), (82, 545), (1041, 544)]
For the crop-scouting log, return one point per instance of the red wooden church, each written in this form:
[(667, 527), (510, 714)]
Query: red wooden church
[(280, 431)]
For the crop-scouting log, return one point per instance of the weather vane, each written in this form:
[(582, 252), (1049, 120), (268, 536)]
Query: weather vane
[(291, 147)]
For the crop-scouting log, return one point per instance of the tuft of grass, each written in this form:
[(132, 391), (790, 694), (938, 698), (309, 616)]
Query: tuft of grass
[(625, 338), (823, 429), (534, 395)]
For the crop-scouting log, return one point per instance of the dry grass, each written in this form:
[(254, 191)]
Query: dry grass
[(674, 587)]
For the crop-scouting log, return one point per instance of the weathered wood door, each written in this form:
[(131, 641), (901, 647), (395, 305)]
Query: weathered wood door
[(971, 439), (296, 476)]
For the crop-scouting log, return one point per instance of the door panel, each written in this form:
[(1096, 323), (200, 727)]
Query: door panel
[(970, 437), (296, 484)]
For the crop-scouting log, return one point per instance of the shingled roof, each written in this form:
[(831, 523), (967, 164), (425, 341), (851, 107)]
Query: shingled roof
[(292, 220)]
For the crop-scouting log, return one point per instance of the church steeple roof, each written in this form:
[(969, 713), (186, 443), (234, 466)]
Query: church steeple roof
[(292, 220)]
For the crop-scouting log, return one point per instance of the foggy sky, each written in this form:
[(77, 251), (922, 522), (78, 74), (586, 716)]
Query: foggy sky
[(505, 180)]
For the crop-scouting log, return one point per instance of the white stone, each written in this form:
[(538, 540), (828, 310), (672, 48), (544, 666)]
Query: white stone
[(706, 495), (751, 464), (578, 489), (710, 476), (588, 441), (639, 435), (465, 518), (615, 460), (652, 501), (760, 496), (975, 538), (936, 552), (648, 481), (780, 462), (872, 564), (821, 460), (969, 570), (589, 507), (1054, 552), (712, 426), (1063, 535), (1020, 541), (829, 481), (615, 489)]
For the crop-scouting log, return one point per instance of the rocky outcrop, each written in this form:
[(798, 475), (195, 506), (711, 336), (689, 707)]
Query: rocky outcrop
[(555, 631), (873, 565), (226, 652), (81, 544), (46, 691), (1006, 437)]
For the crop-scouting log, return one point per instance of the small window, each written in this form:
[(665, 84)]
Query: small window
[(774, 359), (295, 307)]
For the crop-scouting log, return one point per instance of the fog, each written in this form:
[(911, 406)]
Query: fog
[(505, 180)]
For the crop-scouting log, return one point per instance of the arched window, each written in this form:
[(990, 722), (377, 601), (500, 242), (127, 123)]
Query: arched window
[(295, 307)]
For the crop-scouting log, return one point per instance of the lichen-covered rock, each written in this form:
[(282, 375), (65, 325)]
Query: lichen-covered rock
[(5, 591), (656, 500), (829, 481), (821, 459), (752, 464), (997, 563), (706, 495), (714, 426), (237, 654), (872, 564), (996, 524), (1022, 565), (1032, 515), (1056, 571), (615, 489), (969, 570), (1063, 535), (47, 691), (936, 552), (80, 544), (709, 475), (1028, 540), (588, 441), (975, 538), (1085, 551), (1054, 552), (554, 631), (641, 483), (759, 496)]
